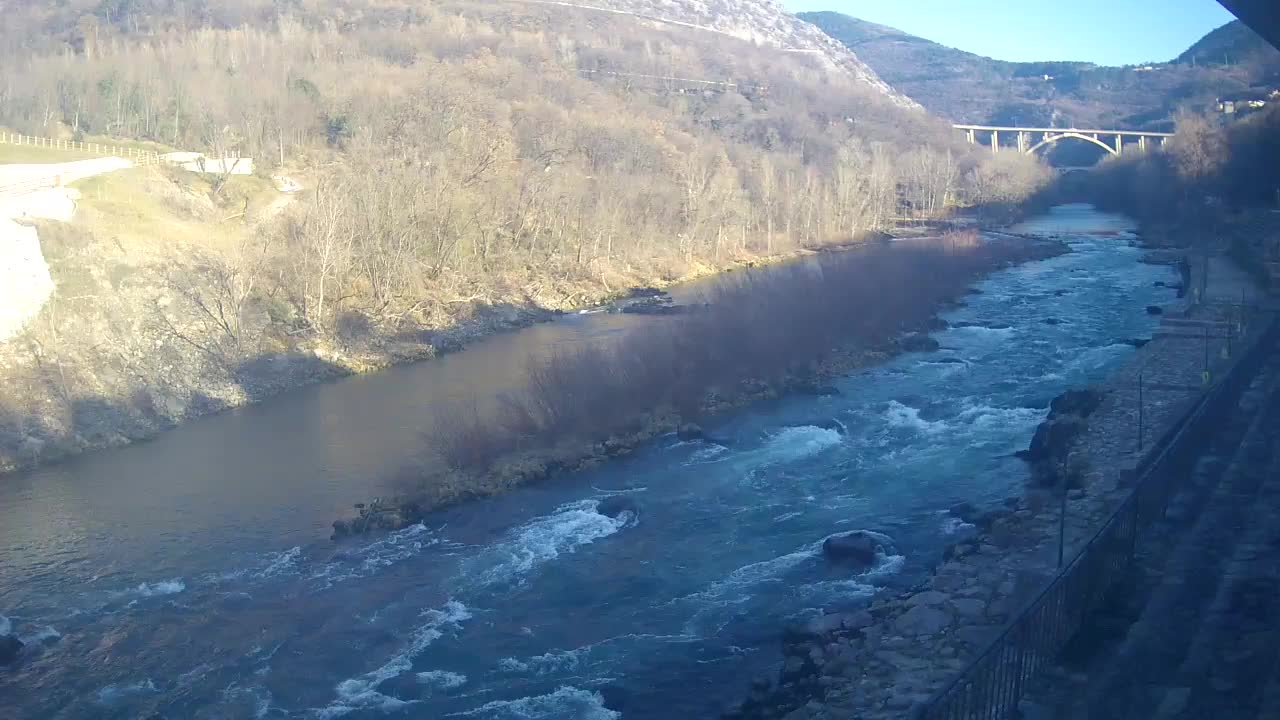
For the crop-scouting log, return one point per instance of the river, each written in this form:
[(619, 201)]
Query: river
[(191, 576)]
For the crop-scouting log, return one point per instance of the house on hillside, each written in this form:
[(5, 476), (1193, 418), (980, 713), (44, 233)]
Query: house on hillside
[(1247, 102)]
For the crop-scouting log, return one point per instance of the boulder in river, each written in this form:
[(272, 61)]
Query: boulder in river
[(652, 307), (614, 505), (857, 548), (1053, 438), (1076, 402), (644, 292), (404, 686), (378, 516), (937, 323), (1155, 310), (918, 342), (9, 647), (690, 432), (832, 425), (964, 511)]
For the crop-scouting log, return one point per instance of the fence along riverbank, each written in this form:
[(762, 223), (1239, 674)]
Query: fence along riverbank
[(993, 683)]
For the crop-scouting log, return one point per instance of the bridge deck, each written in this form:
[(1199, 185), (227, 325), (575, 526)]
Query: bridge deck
[(1126, 133)]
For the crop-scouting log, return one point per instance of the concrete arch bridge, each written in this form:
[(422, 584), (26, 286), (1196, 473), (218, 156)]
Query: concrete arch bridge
[(1030, 140)]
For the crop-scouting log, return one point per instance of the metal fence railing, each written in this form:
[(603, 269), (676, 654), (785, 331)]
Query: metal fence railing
[(991, 686)]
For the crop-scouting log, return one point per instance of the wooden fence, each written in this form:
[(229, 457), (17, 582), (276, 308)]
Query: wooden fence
[(135, 155)]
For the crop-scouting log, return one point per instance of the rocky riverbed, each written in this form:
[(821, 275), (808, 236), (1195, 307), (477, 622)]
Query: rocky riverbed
[(884, 661), (207, 564)]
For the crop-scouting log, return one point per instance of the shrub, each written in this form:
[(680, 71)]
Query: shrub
[(759, 325)]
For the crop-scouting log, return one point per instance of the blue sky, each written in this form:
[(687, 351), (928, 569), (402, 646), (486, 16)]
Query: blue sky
[(1108, 32)]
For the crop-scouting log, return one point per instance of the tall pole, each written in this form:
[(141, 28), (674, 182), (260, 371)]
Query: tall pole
[(1206, 354), (1062, 520), (1231, 331), (1141, 410)]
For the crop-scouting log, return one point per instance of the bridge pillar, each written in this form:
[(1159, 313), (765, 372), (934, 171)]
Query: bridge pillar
[(1142, 143), (972, 138), (1119, 144), (1023, 143), (995, 141)]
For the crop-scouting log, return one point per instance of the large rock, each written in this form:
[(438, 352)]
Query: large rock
[(964, 511), (656, 306), (919, 342), (615, 505), (856, 548), (825, 625), (9, 647), (1053, 438), (931, 598), (923, 620), (690, 432), (1076, 402), (378, 517), (969, 607)]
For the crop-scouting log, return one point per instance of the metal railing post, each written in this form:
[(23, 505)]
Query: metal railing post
[(992, 684)]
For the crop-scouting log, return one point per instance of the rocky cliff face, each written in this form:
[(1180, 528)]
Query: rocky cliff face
[(25, 284), (763, 22)]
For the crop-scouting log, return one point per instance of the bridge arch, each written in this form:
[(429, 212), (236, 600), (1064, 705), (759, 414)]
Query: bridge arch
[(1053, 140)]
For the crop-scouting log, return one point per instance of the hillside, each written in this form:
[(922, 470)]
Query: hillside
[(965, 87), (497, 160), (760, 22), (1231, 44)]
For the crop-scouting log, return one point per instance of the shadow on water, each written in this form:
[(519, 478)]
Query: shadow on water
[(183, 576)]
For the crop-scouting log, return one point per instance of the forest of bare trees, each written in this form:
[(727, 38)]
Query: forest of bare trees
[(1208, 169), (473, 152), (455, 155)]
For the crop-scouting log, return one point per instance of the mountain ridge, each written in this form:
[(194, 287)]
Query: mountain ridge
[(762, 22), (967, 87)]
